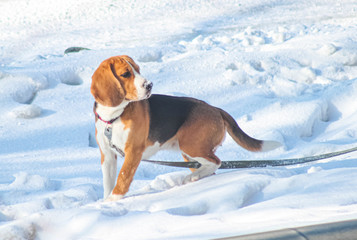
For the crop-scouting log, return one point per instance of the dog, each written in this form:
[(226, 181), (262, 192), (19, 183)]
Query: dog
[(132, 122)]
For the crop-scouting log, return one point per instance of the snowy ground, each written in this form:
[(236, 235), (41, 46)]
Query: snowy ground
[(286, 70)]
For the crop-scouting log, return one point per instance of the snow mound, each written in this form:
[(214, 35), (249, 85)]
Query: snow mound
[(21, 89), (328, 49), (19, 230), (70, 77), (151, 57), (26, 111), (26, 182)]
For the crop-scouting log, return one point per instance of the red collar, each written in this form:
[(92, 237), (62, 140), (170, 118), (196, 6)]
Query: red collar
[(107, 122), (101, 119)]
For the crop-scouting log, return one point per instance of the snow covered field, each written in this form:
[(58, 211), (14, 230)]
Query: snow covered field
[(286, 70)]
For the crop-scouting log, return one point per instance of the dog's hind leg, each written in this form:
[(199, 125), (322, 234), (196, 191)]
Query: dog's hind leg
[(199, 138), (208, 167)]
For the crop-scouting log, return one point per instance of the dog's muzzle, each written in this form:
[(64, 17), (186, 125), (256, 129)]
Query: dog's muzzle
[(148, 87)]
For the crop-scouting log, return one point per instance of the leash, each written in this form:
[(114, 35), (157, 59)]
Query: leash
[(256, 163)]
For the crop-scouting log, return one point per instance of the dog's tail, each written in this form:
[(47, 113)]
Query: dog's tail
[(243, 139)]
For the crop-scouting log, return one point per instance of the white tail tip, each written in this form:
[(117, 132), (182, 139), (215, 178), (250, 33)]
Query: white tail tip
[(270, 145)]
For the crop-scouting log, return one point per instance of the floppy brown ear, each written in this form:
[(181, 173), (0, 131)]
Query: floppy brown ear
[(106, 88), (132, 63)]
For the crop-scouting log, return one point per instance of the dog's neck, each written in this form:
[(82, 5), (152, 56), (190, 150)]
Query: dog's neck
[(110, 114)]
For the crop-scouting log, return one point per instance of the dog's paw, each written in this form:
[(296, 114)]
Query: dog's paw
[(191, 178), (114, 197), (195, 176)]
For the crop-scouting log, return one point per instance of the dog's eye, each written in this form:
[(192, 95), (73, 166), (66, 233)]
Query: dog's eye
[(126, 75)]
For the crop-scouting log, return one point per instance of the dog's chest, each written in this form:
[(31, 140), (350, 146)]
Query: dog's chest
[(120, 134), (113, 136)]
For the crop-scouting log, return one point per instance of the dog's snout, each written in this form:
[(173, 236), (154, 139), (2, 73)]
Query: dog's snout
[(148, 86)]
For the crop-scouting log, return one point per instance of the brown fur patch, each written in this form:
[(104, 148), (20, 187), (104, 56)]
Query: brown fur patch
[(109, 84), (202, 132)]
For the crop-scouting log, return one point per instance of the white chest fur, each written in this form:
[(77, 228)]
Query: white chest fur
[(118, 139), (119, 134)]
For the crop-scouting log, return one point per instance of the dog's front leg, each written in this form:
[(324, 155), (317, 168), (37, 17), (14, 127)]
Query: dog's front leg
[(109, 171), (126, 174)]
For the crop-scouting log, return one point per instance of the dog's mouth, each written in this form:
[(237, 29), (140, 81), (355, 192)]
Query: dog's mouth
[(144, 96), (144, 92), (148, 95), (148, 87)]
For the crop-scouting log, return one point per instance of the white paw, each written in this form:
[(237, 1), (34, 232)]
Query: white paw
[(191, 178), (114, 197)]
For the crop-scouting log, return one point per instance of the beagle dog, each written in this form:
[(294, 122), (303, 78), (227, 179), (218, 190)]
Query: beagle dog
[(131, 122)]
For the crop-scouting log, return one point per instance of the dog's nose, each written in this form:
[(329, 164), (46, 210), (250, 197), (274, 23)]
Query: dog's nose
[(148, 86)]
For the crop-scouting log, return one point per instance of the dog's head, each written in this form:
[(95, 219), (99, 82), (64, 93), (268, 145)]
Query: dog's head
[(117, 79)]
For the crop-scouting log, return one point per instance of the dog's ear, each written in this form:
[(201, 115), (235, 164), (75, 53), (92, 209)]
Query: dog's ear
[(106, 88), (132, 63)]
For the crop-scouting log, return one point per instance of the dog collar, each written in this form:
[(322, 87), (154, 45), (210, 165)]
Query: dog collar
[(107, 122)]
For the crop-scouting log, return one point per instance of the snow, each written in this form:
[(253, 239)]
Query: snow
[(285, 70)]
